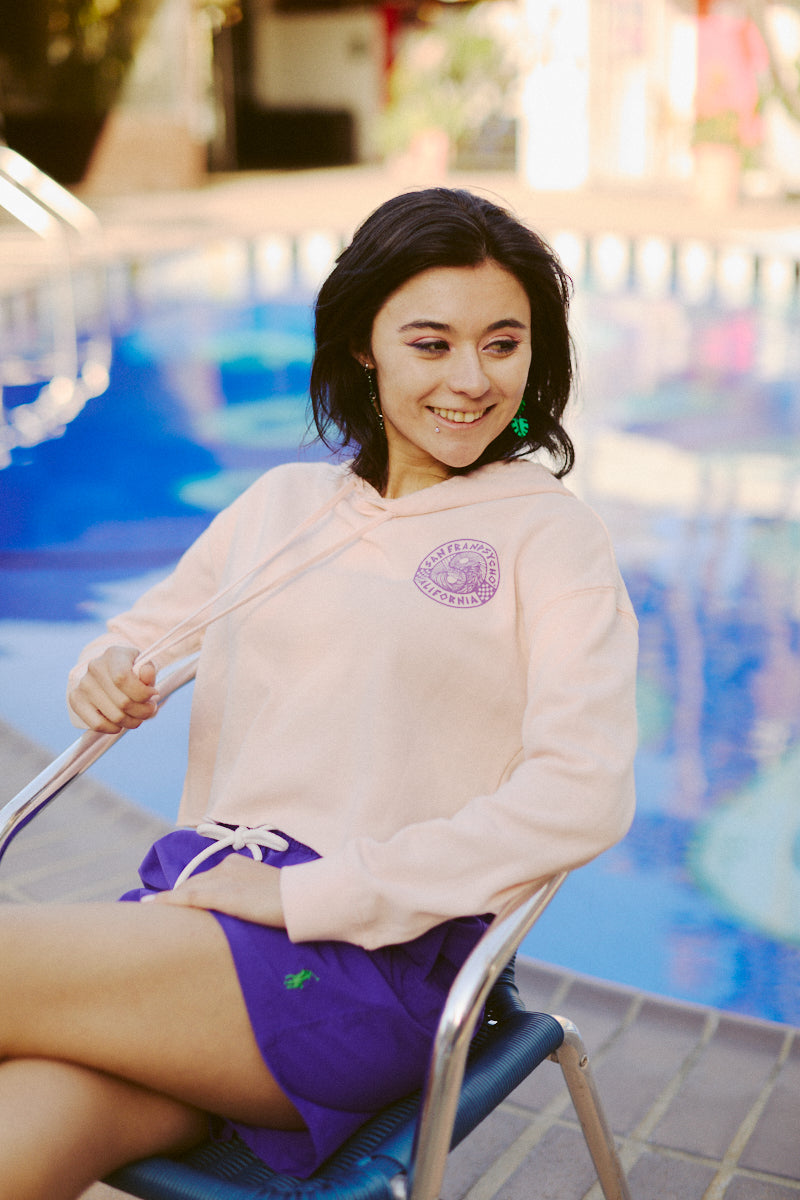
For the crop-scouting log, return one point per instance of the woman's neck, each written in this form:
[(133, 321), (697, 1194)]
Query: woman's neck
[(405, 478)]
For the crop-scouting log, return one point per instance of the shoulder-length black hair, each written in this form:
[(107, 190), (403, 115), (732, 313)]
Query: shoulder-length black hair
[(437, 227)]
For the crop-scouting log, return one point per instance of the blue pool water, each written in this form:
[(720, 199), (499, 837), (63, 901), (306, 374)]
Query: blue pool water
[(687, 423)]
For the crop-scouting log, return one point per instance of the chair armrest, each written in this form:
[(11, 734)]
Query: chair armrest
[(460, 1016), (76, 759)]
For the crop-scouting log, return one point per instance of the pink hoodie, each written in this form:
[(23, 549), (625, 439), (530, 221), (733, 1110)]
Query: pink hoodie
[(434, 692)]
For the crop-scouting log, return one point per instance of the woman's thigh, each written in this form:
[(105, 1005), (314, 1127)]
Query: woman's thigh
[(75, 1125), (148, 993)]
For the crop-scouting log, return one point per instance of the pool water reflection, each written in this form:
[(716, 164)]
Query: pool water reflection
[(687, 424)]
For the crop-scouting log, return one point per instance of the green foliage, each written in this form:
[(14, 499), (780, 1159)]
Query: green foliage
[(721, 129), (454, 75), (90, 45)]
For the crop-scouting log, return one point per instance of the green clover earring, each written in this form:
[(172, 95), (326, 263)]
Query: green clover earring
[(520, 422)]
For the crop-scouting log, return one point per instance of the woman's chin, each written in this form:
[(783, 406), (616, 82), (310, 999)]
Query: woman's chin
[(458, 457)]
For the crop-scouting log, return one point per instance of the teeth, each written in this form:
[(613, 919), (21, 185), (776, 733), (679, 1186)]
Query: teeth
[(453, 414)]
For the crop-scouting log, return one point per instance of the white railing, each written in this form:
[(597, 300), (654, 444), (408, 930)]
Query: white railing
[(54, 329)]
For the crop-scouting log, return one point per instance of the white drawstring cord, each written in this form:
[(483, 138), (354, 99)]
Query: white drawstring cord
[(237, 839), (184, 629)]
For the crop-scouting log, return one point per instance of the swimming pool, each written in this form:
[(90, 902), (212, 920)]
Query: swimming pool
[(687, 423)]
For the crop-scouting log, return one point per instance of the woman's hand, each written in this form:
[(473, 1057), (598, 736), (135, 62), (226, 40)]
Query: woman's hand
[(239, 886), (111, 696)]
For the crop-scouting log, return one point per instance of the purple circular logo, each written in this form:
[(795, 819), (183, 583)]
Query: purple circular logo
[(461, 574)]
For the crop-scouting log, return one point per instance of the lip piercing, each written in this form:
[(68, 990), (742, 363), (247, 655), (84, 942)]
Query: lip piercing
[(437, 428)]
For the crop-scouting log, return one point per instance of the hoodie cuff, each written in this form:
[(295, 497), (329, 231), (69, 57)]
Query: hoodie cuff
[(322, 903)]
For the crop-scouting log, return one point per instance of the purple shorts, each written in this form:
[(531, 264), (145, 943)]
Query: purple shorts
[(344, 1031)]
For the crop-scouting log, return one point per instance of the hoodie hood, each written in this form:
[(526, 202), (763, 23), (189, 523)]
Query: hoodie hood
[(495, 481)]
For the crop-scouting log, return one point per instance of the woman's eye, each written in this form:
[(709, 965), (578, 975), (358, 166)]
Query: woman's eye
[(431, 345), (503, 346)]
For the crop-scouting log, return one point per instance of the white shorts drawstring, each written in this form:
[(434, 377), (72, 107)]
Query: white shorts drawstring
[(237, 839)]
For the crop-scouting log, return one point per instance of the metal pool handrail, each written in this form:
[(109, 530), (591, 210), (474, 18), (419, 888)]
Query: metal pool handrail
[(76, 759), (80, 365)]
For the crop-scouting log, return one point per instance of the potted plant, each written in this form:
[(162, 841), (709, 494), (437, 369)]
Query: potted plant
[(451, 78)]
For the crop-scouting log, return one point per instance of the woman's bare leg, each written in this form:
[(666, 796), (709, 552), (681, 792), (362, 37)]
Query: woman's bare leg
[(145, 994), (67, 1126)]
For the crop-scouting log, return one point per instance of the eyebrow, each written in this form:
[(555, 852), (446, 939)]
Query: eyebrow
[(441, 327)]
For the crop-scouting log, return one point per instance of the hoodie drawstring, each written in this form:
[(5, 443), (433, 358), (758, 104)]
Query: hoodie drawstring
[(197, 621), (253, 838)]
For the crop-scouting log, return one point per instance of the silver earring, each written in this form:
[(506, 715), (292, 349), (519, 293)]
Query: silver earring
[(372, 392)]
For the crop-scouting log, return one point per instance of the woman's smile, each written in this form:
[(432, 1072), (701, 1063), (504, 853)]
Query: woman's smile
[(458, 416)]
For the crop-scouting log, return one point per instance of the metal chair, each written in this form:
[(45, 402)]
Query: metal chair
[(400, 1154)]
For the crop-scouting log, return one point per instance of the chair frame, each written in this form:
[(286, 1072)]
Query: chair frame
[(468, 994)]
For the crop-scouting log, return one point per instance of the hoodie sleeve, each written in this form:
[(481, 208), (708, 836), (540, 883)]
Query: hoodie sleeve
[(167, 604), (570, 797)]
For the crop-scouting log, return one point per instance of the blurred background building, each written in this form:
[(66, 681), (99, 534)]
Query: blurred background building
[(667, 94)]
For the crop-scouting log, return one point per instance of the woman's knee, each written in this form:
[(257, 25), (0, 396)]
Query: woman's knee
[(77, 1125)]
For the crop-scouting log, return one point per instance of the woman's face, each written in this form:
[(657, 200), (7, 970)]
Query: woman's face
[(451, 349)]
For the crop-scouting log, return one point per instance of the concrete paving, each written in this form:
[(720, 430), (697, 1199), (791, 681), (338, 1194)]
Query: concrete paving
[(706, 1105), (247, 204)]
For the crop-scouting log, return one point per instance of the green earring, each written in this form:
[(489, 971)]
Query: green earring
[(520, 422)]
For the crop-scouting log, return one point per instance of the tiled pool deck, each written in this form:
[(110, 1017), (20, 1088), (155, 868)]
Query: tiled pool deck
[(706, 1105)]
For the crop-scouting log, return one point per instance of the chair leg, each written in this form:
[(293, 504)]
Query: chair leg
[(571, 1056)]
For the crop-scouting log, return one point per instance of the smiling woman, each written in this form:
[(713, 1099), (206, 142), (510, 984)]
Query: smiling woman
[(445, 628), (448, 290)]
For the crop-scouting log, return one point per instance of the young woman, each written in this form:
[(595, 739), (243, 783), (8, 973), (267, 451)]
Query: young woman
[(415, 696)]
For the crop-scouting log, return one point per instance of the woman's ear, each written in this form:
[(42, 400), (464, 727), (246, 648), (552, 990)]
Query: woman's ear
[(363, 357)]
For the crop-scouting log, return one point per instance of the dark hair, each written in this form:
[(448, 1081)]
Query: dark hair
[(437, 227)]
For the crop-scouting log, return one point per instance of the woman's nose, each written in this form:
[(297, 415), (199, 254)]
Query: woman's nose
[(467, 375)]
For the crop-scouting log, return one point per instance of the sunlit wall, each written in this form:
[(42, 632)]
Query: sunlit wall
[(608, 92)]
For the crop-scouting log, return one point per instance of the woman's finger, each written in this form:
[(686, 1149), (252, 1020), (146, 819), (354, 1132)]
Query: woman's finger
[(239, 886), (112, 695)]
